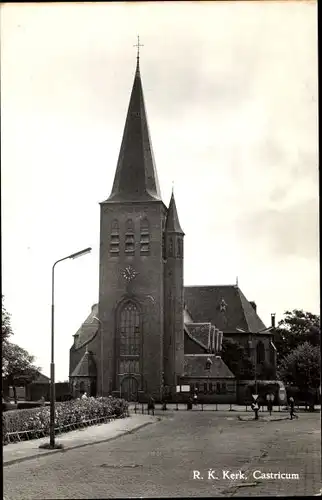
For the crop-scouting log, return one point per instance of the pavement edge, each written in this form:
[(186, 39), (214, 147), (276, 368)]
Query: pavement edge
[(64, 450)]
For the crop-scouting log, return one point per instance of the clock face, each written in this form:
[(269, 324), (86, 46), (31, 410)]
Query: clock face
[(129, 273)]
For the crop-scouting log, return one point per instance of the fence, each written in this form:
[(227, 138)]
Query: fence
[(143, 408), (13, 437)]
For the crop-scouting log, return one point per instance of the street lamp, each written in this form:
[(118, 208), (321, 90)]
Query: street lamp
[(52, 364), (101, 340)]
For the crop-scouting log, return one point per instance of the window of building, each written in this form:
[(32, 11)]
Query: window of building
[(130, 335), (260, 352), (210, 387), (271, 355), (180, 248), (115, 238), (223, 388), (218, 387), (205, 387), (192, 387), (128, 366), (170, 246), (129, 237), (144, 237), (197, 386)]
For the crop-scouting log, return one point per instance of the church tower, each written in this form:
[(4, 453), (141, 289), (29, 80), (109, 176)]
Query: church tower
[(173, 299), (131, 292)]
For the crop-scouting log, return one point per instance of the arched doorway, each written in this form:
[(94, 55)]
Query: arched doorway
[(129, 389)]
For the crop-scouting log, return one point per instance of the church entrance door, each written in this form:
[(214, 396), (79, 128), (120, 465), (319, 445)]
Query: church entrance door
[(129, 389)]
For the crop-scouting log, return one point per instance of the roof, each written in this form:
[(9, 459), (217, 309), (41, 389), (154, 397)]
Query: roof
[(199, 332), (195, 366), (172, 224), (86, 367), (88, 330), (41, 379), (136, 176), (225, 306)]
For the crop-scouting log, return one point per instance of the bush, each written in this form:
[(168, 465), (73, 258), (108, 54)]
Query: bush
[(76, 412)]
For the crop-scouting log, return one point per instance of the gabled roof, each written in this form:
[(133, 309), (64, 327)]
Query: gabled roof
[(224, 306), (136, 176), (172, 224), (199, 332), (88, 330), (86, 367), (195, 366)]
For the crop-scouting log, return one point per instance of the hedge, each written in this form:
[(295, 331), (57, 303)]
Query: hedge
[(34, 422)]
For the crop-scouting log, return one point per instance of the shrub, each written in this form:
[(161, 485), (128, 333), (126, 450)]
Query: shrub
[(76, 412)]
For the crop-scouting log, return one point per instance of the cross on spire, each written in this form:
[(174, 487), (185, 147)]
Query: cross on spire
[(138, 45)]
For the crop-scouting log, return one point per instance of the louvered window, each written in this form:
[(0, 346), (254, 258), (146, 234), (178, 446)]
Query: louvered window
[(129, 237), (144, 237), (115, 238)]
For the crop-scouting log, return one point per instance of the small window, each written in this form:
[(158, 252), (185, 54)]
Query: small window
[(164, 253), (210, 387), (223, 388), (218, 387), (115, 238), (170, 246), (129, 237), (144, 237), (205, 388), (180, 248)]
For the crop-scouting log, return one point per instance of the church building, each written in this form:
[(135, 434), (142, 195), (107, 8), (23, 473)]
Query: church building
[(149, 335)]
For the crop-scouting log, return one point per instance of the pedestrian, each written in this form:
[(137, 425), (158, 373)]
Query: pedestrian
[(84, 396), (291, 405), (151, 405), (195, 398)]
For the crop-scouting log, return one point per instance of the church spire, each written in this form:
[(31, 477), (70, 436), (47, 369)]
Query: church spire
[(172, 224), (136, 176)]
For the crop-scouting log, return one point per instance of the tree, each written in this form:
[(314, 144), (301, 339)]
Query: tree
[(237, 359), (301, 367), (294, 329), (6, 329), (17, 366)]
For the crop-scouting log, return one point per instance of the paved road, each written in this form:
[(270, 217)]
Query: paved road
[(159, 461)]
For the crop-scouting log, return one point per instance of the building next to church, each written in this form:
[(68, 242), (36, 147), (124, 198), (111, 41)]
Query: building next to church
[(149, 333)]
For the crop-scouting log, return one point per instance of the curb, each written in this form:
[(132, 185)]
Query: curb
[(262, 419), (64, 450)]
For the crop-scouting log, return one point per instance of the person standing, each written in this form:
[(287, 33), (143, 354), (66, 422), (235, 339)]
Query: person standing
[(292, 404)]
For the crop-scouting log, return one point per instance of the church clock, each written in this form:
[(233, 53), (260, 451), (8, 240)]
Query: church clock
[(129, 273)]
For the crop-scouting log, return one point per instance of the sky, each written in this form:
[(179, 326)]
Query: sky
[(231, 96)]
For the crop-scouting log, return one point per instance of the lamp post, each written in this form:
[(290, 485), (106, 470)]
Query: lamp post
[(101, 349), (52, 364)]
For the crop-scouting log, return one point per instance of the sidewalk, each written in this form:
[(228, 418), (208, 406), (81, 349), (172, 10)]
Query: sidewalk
[(26, 450)]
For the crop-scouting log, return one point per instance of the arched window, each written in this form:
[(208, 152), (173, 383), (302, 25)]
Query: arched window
[(260, 352), (129, 237), (115, 238), (144, 236), (130, 335)]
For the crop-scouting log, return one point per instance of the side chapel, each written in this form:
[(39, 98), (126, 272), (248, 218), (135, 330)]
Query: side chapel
[(149, 333)]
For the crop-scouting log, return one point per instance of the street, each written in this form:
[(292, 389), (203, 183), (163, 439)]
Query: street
[(162, 460)]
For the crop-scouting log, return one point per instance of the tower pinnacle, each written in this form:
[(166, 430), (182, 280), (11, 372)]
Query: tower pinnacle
[(136, 176)]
